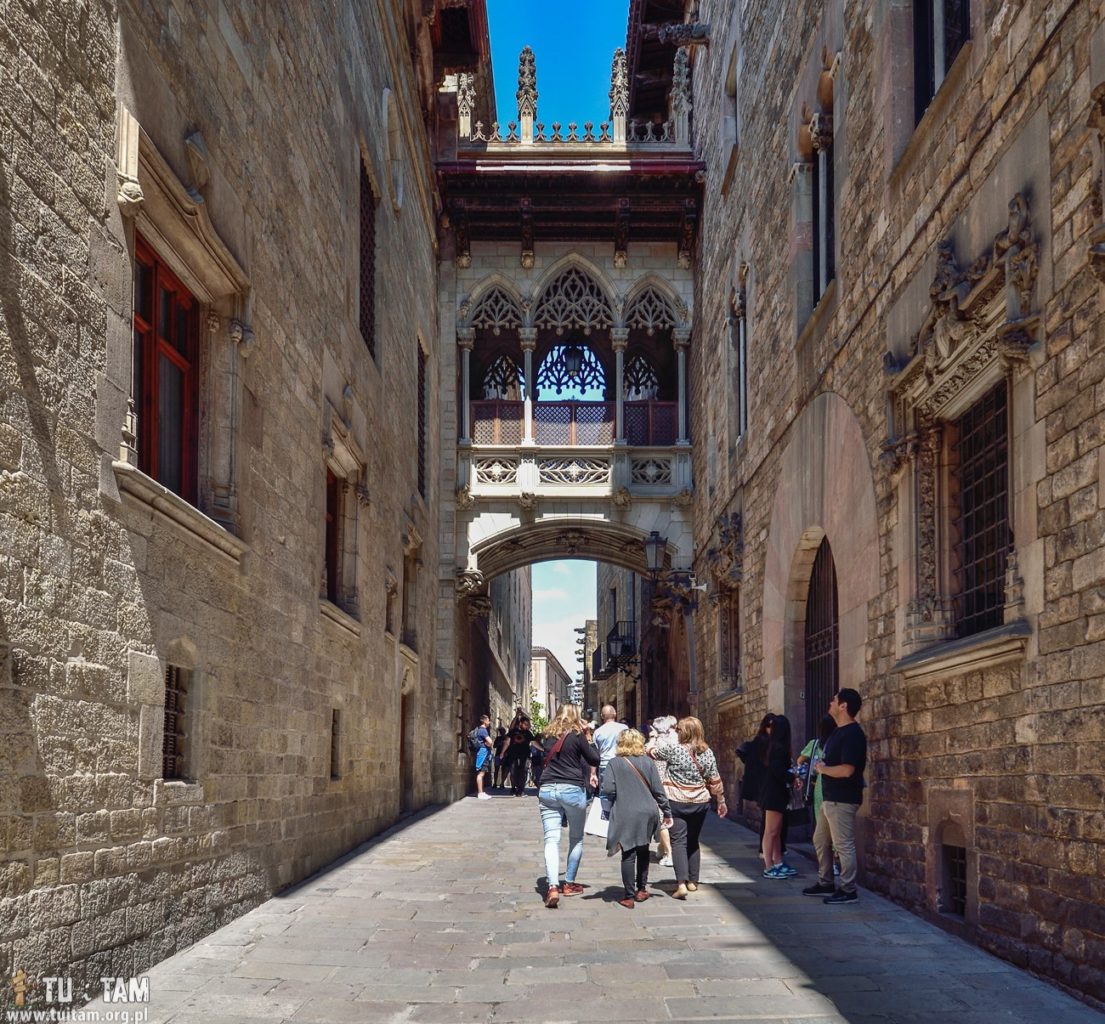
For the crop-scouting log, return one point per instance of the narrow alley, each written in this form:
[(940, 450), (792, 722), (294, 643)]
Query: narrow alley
[(440, 919)]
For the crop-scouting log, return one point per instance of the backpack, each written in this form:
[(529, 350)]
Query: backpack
[(473, 741)]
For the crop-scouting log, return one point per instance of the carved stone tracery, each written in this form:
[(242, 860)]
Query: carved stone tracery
[(573, 302)]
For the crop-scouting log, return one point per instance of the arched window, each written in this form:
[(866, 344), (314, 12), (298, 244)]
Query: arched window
[(641, 381), (822, 641), (503, 380), (573, 369)]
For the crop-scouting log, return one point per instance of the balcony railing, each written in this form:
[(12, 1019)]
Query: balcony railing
[(570, 424), (621, 644)]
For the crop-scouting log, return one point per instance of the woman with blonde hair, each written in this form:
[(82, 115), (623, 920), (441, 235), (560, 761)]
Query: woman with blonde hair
[(562, 796), (639, 805), (693, 780)]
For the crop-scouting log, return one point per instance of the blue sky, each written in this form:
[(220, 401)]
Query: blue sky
[(563, 598), (573, 43)]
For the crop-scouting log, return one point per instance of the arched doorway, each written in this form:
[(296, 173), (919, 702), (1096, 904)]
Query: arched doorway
[(822, 638)]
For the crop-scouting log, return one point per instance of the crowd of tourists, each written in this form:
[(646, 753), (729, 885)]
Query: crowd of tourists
[(632, 787)]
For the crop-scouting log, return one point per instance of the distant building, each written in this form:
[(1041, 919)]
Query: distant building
[(550, 684)]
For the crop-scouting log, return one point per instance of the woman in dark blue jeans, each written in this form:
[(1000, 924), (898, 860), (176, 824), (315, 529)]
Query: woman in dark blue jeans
[(562, 796)]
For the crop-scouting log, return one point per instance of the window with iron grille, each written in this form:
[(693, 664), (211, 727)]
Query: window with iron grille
[(422, 399), (368, 262), (940, 29), (174, 740), (166, 338), (335, 743), (822, 638), (983, 497), (334, 486), (730, 638), (954, 894), (824, 218)]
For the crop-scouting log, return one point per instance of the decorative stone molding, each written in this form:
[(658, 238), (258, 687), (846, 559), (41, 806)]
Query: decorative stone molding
[(527, 501), (470, 582), (465, 499), (675, 592), (622, 498), (466, 102), (572, 541), (725, 561), (684, 499), (130, 195), (363, 497), (621, 235), (681, 96), (199, 160)]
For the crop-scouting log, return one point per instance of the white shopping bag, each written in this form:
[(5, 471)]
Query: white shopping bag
[(598, 817)]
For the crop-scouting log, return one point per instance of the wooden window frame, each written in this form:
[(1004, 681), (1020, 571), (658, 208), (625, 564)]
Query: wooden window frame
[(150, 348)]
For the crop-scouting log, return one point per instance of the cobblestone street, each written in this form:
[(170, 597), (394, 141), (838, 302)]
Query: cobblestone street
[(441, 920)]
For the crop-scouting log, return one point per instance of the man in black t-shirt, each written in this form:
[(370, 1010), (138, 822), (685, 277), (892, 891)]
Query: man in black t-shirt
[(841, 772)]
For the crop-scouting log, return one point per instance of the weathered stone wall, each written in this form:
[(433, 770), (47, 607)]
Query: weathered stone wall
[(107, 868), (1010, 754)]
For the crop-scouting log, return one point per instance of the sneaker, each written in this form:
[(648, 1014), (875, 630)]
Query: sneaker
[(553, 897), (820, 889), (787, 870), (667, 862), (483, 796), (571, 889), (775, 872), (840, 896)]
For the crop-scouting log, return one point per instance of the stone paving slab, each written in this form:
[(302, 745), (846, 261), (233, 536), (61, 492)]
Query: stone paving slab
[(441, 920)]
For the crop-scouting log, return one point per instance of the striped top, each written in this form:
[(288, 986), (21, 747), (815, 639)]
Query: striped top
[(686, 782)]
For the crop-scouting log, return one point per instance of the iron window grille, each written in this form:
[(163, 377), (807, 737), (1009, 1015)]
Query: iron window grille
[(822, 638), (422, 398), (368, 263), (983, 523), (173, 741), (166, 318), (955, 880), (335, 743)]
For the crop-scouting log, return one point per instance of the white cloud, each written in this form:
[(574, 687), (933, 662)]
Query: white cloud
[(552, 594), (563, 599)]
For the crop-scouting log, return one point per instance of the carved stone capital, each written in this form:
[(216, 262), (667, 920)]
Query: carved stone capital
[(242, 337), (821, 131), (213, 321), (527, 338), (470, 582), (466, 337), (681, 337), (619, 338)]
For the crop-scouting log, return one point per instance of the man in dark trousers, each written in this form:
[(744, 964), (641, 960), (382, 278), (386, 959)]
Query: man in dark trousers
[(841, 772)]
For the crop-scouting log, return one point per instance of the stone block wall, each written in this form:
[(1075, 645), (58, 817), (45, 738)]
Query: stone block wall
[(1003, 756), (106, 867)]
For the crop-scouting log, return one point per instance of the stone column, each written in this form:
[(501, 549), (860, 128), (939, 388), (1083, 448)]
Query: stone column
[(681, 336), (619, 337), (466, 338), (528, 338)]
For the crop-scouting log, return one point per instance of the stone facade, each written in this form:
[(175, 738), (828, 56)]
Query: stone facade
[(965, 256), (230, 139), (549, 681)]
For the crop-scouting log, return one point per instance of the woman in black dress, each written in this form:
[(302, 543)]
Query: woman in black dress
[(775, 797)]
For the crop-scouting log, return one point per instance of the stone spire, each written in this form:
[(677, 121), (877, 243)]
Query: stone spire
[(619, 94), (527, 93), (681, 97), (466, 101)]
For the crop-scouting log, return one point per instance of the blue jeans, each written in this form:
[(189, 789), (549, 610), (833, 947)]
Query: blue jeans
[(556, 799)]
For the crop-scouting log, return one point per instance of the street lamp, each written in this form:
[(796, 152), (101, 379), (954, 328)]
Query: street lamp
[(654, 554), (573, 361)]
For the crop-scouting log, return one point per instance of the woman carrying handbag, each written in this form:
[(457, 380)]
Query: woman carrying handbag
[(640, 806), (693, 779)]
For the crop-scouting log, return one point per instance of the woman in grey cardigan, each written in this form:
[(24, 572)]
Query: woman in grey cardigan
[(633, 784)]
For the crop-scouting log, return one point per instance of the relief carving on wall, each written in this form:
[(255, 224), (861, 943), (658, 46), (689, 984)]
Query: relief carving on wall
[(979, 318), (725, 561)]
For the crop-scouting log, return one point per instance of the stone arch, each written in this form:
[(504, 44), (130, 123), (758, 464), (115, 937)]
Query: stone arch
[(498, 544), (572, 261), (679, 307), (825, 489), (470, 305)]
